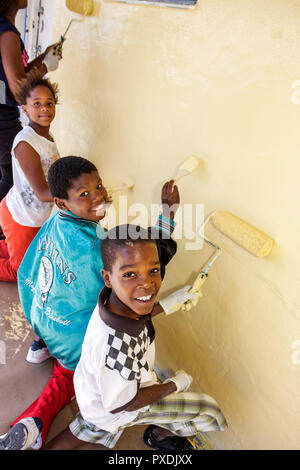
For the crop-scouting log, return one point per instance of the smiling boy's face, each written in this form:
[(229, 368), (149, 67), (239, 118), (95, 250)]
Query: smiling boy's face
[(135, 277), (87, 197)]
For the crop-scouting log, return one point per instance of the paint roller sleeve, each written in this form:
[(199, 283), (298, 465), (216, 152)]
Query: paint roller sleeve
[(187, 167), (242, 233), (83, 7)]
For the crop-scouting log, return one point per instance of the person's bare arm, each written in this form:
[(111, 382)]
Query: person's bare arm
[(11, 59), (148, 395), (30, 163), (38, 63)]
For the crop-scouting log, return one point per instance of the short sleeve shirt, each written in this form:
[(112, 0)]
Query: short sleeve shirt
[(22, 202), (117, 359)]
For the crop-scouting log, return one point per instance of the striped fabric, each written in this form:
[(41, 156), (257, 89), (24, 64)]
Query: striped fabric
[(184, 414), (165, 225)]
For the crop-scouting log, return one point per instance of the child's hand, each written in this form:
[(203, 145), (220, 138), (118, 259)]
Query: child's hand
[(51, 60), (56, 49), (170, 199), (182, 381), (52, 56), (182, 299)]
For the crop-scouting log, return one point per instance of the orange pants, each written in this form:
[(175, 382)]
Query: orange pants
[(13, 248)]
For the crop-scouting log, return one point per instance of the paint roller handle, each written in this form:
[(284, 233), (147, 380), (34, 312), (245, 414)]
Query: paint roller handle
[(57, 48), (200, 279), (195, 289)]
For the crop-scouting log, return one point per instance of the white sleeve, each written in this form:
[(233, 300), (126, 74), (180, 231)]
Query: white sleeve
[(117, 393), (27, 135)]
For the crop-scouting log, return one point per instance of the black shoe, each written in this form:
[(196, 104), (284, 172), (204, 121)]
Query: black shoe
[(169, 443)]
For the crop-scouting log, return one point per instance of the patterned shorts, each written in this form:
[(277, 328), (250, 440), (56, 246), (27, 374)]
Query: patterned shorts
[(184, 414)]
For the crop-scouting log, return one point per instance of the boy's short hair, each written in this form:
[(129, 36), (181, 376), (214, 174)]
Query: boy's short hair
[(6, 5), (32, 80), (63, 171), (120, 236)]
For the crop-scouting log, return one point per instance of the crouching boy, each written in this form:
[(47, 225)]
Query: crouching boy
[(115, 382)]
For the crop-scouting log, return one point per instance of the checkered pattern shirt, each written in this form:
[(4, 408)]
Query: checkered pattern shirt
[(117, 359), (118, 355), (126, 354)]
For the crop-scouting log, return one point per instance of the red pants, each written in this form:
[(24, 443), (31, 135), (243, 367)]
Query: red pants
[(13, 248), (58, 392)]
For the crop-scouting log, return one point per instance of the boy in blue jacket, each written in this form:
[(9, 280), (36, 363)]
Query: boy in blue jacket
[(59, 281)]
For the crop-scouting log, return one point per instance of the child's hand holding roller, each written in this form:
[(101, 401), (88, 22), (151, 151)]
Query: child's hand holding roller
[(182, 299), (52, 55), (170, 199)]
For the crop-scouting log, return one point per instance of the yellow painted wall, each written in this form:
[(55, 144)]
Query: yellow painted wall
[(144, 87)]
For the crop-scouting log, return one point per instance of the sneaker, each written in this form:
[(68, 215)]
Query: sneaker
[(22, 435), (169, 443), (37, 353)]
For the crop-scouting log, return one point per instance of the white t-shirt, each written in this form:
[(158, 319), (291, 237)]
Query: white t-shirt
[(24, 206), (117, 359)]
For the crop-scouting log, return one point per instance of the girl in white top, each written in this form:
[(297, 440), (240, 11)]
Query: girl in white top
[(29, 202)]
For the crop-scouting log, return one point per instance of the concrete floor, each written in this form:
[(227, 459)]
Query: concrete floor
[(21, 382)]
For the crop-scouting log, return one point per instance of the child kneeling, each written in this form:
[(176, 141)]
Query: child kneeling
[(115, 382)]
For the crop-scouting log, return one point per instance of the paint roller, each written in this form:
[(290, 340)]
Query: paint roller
[(245, 235), (186, 168), (128, 184), (82, 7), (239, 231)]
